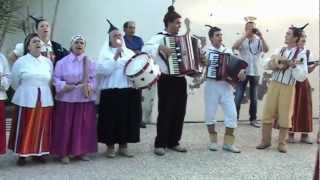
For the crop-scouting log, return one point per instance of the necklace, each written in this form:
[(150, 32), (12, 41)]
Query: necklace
[(250, 49)]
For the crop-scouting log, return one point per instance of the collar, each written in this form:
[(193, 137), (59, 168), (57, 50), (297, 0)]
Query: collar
[(77, 58), (221, 48), (167, 33), (129, 37), (46, 44), (34, 58)]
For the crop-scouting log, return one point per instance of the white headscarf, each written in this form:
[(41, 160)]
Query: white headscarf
[(77, 37)]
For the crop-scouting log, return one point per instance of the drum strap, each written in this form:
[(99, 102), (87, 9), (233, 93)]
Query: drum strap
[(308, 55), (161, 55)]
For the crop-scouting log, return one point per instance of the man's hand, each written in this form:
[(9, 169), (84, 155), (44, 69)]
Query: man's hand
[(86, 90), (118, 53), (312, 67), (68, 87), (242, 75), (258, 33), (204, 60), (165, 50)]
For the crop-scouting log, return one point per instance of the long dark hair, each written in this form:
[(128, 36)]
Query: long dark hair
[(27, 42)]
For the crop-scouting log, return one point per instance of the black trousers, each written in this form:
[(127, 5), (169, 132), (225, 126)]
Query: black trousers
[(172, 102)]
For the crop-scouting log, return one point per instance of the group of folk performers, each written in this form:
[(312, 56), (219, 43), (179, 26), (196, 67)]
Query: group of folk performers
[(55, 91)]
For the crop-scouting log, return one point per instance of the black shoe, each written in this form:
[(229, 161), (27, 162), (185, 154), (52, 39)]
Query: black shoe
[(21, 161), (39, 159), (143, 125), (255, 123)]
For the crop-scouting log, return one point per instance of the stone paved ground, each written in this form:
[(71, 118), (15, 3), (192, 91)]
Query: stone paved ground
[(197, 164)]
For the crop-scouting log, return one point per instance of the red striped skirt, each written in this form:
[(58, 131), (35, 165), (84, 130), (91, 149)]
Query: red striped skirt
[(2, 128), (302, 114), (31, 130)]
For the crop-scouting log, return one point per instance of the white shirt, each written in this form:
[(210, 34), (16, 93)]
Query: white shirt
[(251, 50), (28, 75), (152, 48), (4, 76), (110, 72), (291, 75)]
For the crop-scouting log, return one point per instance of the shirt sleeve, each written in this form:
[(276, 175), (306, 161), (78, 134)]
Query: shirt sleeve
[(18, 50), (4, 81), (152, 46), (58, 76), (300, 72), (15, 76), (92, 75)]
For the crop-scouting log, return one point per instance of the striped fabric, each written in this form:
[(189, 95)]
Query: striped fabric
[(285, 76), (31, 130), (2, 129)]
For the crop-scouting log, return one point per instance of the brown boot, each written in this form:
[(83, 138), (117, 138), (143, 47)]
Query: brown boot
[(229, 139), (282, 147), (266, 136), (213, 137)]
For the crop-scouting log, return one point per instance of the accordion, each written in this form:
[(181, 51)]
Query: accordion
[(224, 66), (185, 56)]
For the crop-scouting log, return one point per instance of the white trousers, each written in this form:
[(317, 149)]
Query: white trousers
[(148, 96), (215, 93)]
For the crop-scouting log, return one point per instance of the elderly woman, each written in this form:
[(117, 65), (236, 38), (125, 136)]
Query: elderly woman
[(4, 85), (119, 115), (31, 127), (50, 49), (74, 127)]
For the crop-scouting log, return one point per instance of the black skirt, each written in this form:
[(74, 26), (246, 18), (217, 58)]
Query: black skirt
[(120, 113)]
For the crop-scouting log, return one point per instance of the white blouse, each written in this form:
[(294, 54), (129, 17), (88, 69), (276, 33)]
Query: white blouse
[(29, 75), (111, 72), (4, 76)]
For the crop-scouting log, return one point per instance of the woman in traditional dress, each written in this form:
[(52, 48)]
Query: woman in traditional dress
[(31, 126), (119, 115), (74, 127), (4, 85), (302, 115)]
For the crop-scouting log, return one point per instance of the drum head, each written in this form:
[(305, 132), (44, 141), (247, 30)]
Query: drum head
[(136, 64)]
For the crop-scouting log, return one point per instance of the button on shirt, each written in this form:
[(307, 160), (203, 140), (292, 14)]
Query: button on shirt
[(29, 74)]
